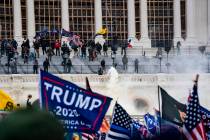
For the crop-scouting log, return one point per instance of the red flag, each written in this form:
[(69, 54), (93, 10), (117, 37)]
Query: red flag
[(129, 45)]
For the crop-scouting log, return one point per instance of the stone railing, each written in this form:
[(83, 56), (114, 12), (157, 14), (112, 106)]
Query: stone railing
[(149, 79), (127, 87)]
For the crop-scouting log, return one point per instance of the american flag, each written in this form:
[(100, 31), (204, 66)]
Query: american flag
[(120, 126), (103, 136), (142, 129), (205, 114), (193, 128), (86, 136)]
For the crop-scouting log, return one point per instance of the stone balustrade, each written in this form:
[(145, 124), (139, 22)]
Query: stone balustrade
[(126, 89), (144, 78)]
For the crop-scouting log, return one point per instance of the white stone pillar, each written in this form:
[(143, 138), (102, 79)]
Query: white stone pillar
[(17, 21), (30, 20), (145, 41), (190, 20), (98, 15), (65, 14), (208, 22), (177, 22), (131, 19)]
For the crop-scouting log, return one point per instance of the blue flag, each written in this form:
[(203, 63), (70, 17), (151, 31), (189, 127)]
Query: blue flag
[(151, 123), (205, 114), (121, 124), (66, 33), (139, 131), (77, 109)]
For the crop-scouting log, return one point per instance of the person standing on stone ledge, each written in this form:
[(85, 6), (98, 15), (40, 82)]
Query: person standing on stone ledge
[(46, 64), (124, 46), (28, 103), (125, 62), (136, 63), (103, 63), (35, 66), (105, 49), (178, 45), (68, 65)]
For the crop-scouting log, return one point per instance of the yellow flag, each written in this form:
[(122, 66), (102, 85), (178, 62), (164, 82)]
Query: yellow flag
[(102, 31), (75, 137), (6, 102)]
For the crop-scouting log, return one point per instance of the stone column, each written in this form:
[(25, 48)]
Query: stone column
[(177, 22), (131, 19), (65, 14), (30, 20), (17, 21), (98, 15), (190, 20), (208, 22), (145, 41)]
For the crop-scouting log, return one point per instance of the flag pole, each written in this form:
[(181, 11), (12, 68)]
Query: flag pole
[(113, 111), (159, 109), (196, 80)]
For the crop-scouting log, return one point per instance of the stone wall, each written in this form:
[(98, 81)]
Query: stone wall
[(137, 93)]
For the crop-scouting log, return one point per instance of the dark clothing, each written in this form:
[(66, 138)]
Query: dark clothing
[(124, 46), (65, 50), (3, 46), (178, 45), (46, 65), (98, 48), (50, 53), (100, 71), (14, 44), (64, 66), (125, 62), (28, 104), (44, 46), (27, 44), (105, 49), (69, 65), (83, 49), (25, 54), (57, 51), (136, 63), (36, 47), (44, 50), (103, 64), (11, 53), (35, 67)]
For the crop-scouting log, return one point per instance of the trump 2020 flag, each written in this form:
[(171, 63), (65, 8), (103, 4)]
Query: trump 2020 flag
[(76, 108), (151, 123)]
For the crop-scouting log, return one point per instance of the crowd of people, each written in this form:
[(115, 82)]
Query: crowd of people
[(30, 53)]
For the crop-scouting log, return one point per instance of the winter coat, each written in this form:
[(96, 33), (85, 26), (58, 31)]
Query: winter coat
[(57, 45)]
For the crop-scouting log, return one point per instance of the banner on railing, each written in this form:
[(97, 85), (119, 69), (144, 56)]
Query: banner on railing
[(76, 108)]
